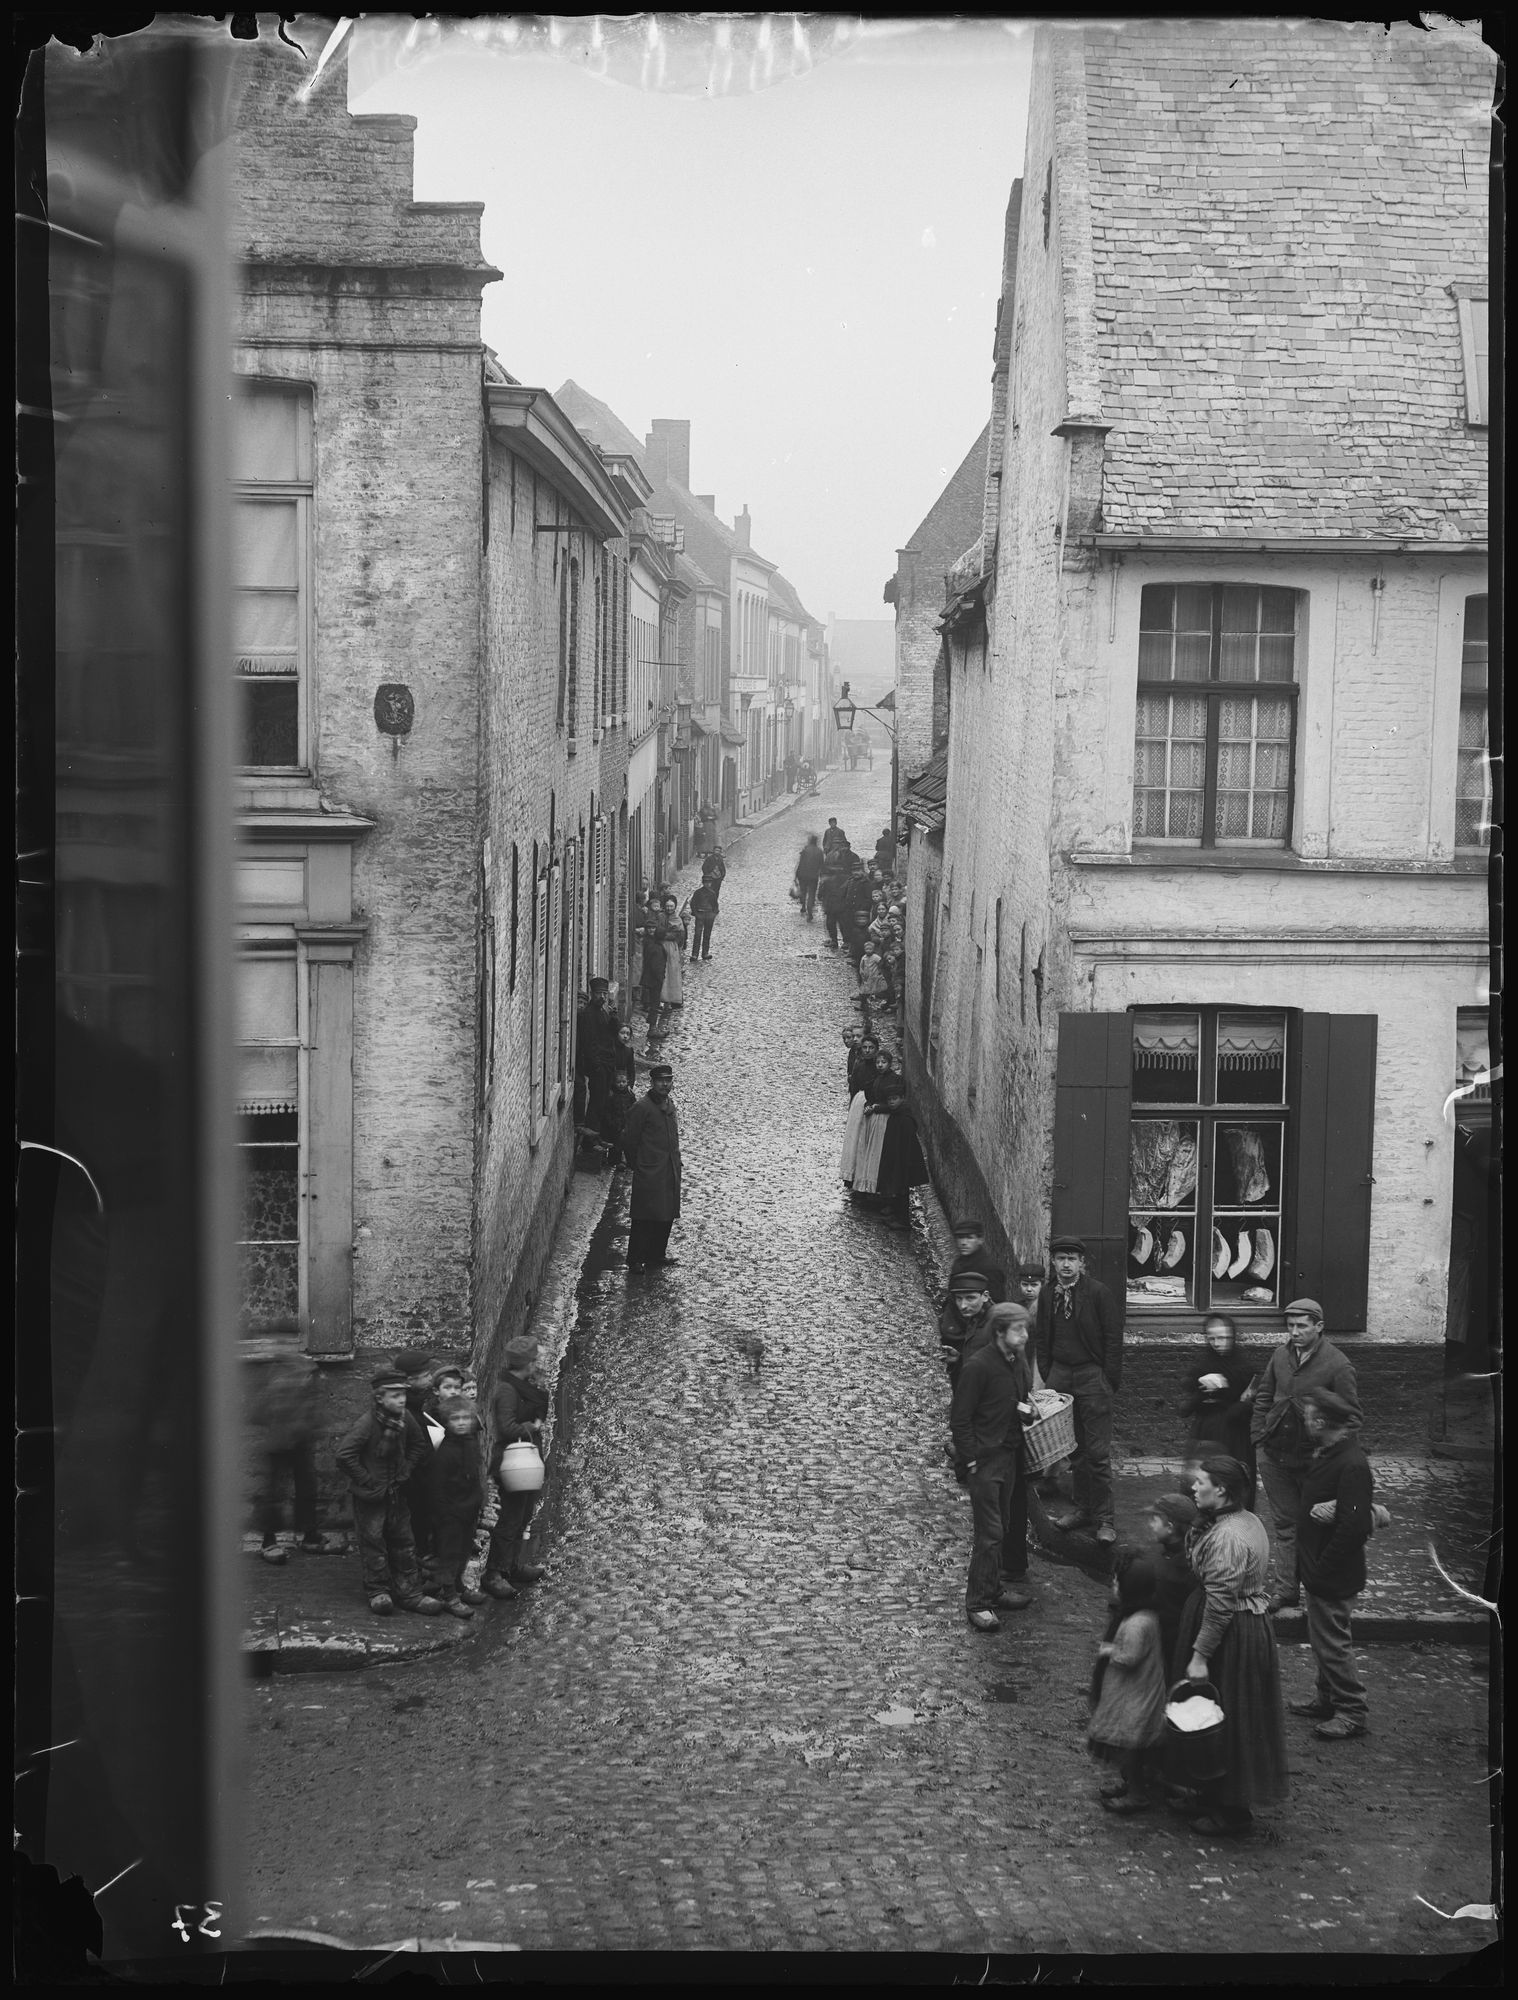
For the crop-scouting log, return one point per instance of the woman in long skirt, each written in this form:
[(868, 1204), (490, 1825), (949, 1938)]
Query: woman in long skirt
[(848, 1158), (901, 1165), (676, 937), (1226, 1637)]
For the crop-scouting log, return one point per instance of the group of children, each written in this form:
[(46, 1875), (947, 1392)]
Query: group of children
[(418, 1478)]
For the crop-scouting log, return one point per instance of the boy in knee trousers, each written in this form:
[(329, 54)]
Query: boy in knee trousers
[(378, 1457)]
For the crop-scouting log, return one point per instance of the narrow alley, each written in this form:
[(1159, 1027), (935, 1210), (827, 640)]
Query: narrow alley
[(744, 1710)]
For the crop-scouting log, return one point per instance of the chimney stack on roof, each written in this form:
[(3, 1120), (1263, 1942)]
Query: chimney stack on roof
[(668, 448), (742, 527)]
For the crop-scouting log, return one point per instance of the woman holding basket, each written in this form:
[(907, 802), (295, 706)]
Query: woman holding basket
[(1226, 1639)]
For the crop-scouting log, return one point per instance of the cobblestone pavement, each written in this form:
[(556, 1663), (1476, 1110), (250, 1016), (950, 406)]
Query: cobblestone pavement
[(745, 1710)]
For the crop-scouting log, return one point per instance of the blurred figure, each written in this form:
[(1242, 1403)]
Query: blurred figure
[(283, 1415)]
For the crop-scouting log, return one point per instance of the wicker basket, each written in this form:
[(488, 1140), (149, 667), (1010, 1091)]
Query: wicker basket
[(1051, 1435)]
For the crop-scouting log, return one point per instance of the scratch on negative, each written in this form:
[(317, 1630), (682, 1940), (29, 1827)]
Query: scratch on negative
[(1460, 1589)]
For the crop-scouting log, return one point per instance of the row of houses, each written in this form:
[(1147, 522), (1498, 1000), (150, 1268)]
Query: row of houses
[(1191, 687), (493, 657)]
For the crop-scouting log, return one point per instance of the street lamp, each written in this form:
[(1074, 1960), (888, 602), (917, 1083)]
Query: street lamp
[(844, 710)]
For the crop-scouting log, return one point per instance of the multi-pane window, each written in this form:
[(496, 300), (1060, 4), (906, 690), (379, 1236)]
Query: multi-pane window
[(1213, 760), (268, 1134), (271, 570), (1207, 1145), (1473, 785)]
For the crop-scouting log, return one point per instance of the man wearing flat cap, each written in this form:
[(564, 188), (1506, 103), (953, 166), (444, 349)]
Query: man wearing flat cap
[(1304, 1361), (651, 1147), (1333, 1526), (971, 1254), (966, 1313), (1079, 1342)]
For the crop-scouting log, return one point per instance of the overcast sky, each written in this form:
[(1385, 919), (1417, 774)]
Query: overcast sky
[(806, 269)]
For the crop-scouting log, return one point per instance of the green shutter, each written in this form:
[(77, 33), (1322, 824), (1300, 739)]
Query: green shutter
[(1335, 1094), (1093, 1090)]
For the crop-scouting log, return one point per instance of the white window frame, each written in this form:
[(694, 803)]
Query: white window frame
[(1474, 352), (302, 492)]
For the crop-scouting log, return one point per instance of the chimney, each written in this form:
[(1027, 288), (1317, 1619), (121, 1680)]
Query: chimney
[(742, 525), (668, 447), (709, 501)]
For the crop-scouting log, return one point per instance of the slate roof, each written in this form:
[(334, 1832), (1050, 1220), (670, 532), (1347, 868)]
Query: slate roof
[(926, 801), (601, 425), (956, 516), (1276, 347)]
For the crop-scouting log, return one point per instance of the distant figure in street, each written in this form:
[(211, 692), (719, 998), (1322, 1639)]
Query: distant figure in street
[(874, 986), (991, 1399), (1226, 1637), (516, 1416), (454, 1476), (714, 871), (1128, 1688), (1333, 1526), (862, 1064), (1218, 1397), (652, 979), (832, 890), (676, 935), (809, 873), (1304, 1361), (377, 1458), (703, 910), (833, 836), (1080, 1353), (707, 818), (620, 1102), (651, 1147), (284, 1421), (885, 851), (806, 775), (790, 770), (596, 1038)]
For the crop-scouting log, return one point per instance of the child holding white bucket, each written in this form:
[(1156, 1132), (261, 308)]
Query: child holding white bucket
[(517, 1413)]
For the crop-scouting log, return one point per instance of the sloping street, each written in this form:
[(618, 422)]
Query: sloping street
[(744, 1710)]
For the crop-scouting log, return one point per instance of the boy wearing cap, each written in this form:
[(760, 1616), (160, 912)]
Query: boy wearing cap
[(970, 1254), (1079, 1342), (378, 1457), (1333, 1526), (991, 1399), (1304, 1361), (651, 1147), (516, 1415)]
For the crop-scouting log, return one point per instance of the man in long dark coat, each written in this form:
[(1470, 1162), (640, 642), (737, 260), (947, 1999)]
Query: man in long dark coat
[(651, 1147), (1079, 1339)]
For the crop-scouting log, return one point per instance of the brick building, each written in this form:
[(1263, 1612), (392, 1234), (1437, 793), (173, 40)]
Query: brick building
[(1200, 906), (358, 525), (432, 618)]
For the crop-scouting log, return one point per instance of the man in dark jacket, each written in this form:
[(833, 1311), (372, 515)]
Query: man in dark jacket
[(885, 851), (990, 1402), (808, 874), (1304, 1361), (967, 1311), (833, 836), (970, 1254), (832, 890), (1079, 1343), (1333, 1526), (703, 912), (651, 1147), (377, 1457), (516, 1415)]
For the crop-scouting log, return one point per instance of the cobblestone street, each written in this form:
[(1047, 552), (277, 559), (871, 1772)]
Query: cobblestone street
[(744, 1710)]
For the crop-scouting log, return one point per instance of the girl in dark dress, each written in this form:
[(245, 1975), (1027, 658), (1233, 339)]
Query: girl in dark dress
[(1216, 1399), (902, 1166), (1226, 1638)]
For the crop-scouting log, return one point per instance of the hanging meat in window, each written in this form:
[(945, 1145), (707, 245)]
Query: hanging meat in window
[(1247, 1151), (1264, 1255), (1220, 1254), (1246, 1251)]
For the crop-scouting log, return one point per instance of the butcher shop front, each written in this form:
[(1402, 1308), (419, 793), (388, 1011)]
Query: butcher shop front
[(1218, 1158)]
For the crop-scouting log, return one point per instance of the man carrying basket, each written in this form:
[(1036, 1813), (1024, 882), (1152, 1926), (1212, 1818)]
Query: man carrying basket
[(1079, 1343), (991, 1398)]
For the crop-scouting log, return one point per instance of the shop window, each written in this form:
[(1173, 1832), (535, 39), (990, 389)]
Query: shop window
[(1184, 1138), (268, 1136), (1204, 1182), (1473, 787), (1213, 763), (271, 571)]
